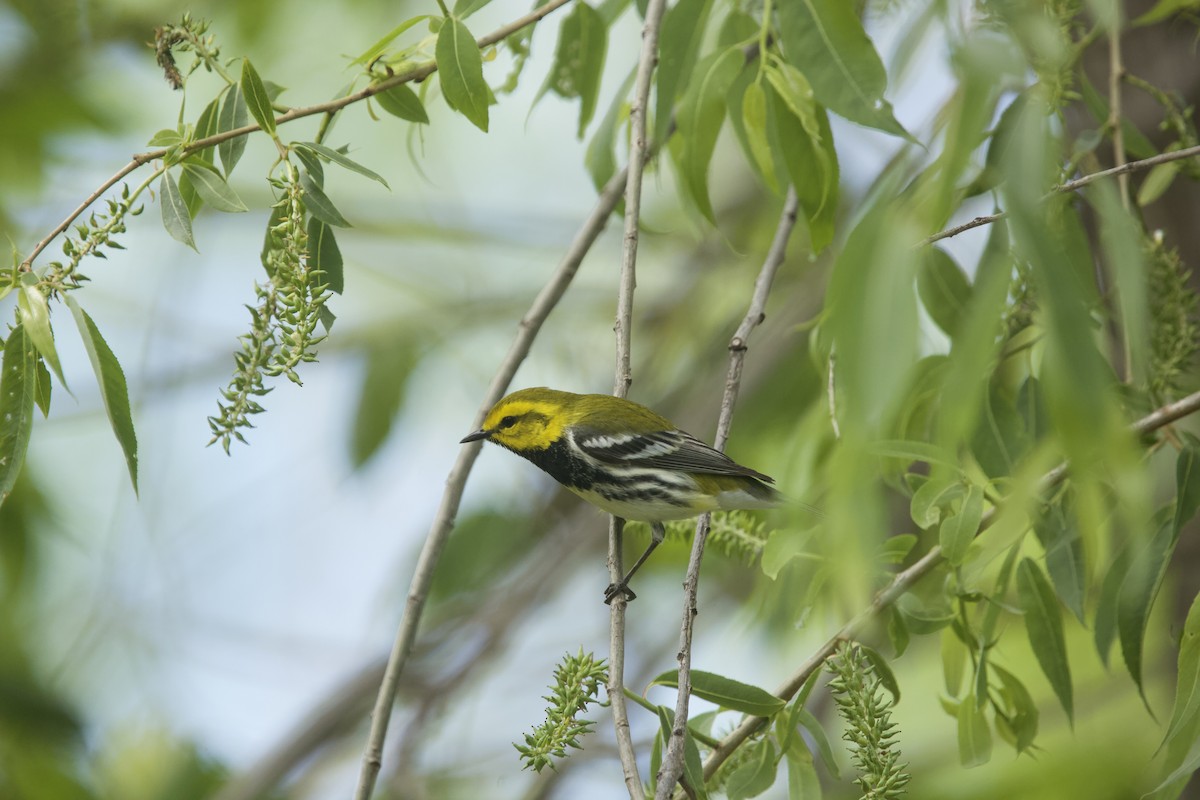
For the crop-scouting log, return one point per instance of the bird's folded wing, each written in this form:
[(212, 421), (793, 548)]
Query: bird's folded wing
[(662, 450)]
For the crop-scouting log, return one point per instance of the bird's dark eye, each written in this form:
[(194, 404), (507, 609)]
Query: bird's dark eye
[(507, 422)]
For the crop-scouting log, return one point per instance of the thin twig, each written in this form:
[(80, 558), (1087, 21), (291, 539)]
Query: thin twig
[(415, 74), (639, 153), (672, 763), (439, 531), (1071, 186), (1116, 74), (905, 579)]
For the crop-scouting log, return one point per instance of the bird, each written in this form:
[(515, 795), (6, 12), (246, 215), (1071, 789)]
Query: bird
[(624, 459)]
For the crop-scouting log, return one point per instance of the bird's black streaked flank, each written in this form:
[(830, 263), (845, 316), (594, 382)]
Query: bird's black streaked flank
[(623, 458)]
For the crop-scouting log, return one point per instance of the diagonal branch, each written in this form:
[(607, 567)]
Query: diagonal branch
[(415, 74), (672, 764), (903, 581), (443, 521), (639, 153)]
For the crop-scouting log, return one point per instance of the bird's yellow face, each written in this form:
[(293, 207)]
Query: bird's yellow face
[(523, 421)]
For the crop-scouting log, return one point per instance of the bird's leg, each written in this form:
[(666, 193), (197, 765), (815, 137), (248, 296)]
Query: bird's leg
[(657, 533)]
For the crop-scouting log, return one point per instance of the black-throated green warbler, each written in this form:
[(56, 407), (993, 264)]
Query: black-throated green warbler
[(623, 458)]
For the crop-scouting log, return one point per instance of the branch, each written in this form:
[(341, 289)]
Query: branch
[(439, 531), (1071, 186), (672, 764), (415, 74), (639, 152), (1116, 73), (905, 579)]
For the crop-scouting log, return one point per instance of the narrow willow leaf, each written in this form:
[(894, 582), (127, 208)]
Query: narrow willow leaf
[(18, 391), (401, 101), (312, 164), (176, 218), (1023, 711), (208, 124), (974, 735), (1187, 482), (1043, 624), (579, 61), (701, 115), (954, 661), (803, 783), (1138, 591), (678, 48), (1058, 532), (943, 289), (811, 163), (465, 8), (726, 692), (825, 40), (34, 312), (895, 549), (1157, 181), (1104, 628), (381, 395), (693, 767), (324, 255), (44, 388), (113, 389), (601, 156), (319, 204), (461, 69), (754, 122), (912, 451), (167, 137), (810, 723), (258, 102), (958, 531), (212, 188), (1183, 731), (883, 671), (380, 47), (233, 116), (756, 773), (1173, 785), (932, 497), (342, 160)]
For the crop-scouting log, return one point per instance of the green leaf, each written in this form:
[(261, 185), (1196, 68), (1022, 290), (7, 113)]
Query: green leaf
[(954, 660), (1156, 182), (825, 40), (1104, 628), (113, 391), (324, 255), (803, 783), (883, 671), (693, 767), (943, 289), (18, 391), (167, 137), (974, 734), (1022, 718), (601, 156), (1184, 729), (912, 451), (465, 8), (958, 531), (726, 692), (401, 101), (319, 204), (233, 116), (754, 122), (1187, 483), (895, 549), (579, 61), (461, 69), (701, 115), (678, 48), (312, 163), (810, 161), (208, 124), (34, 312), (388, 368), (811, 724), (176, 218), (44, 388), (341, 160), (1138, 591), (934, 495), (380, 47), (258, 102), (1043, 624), (755, 774), (1059, 535), (1164, 9), (212, 188)]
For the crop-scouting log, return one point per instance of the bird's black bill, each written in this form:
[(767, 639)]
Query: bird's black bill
[(475, 437)]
